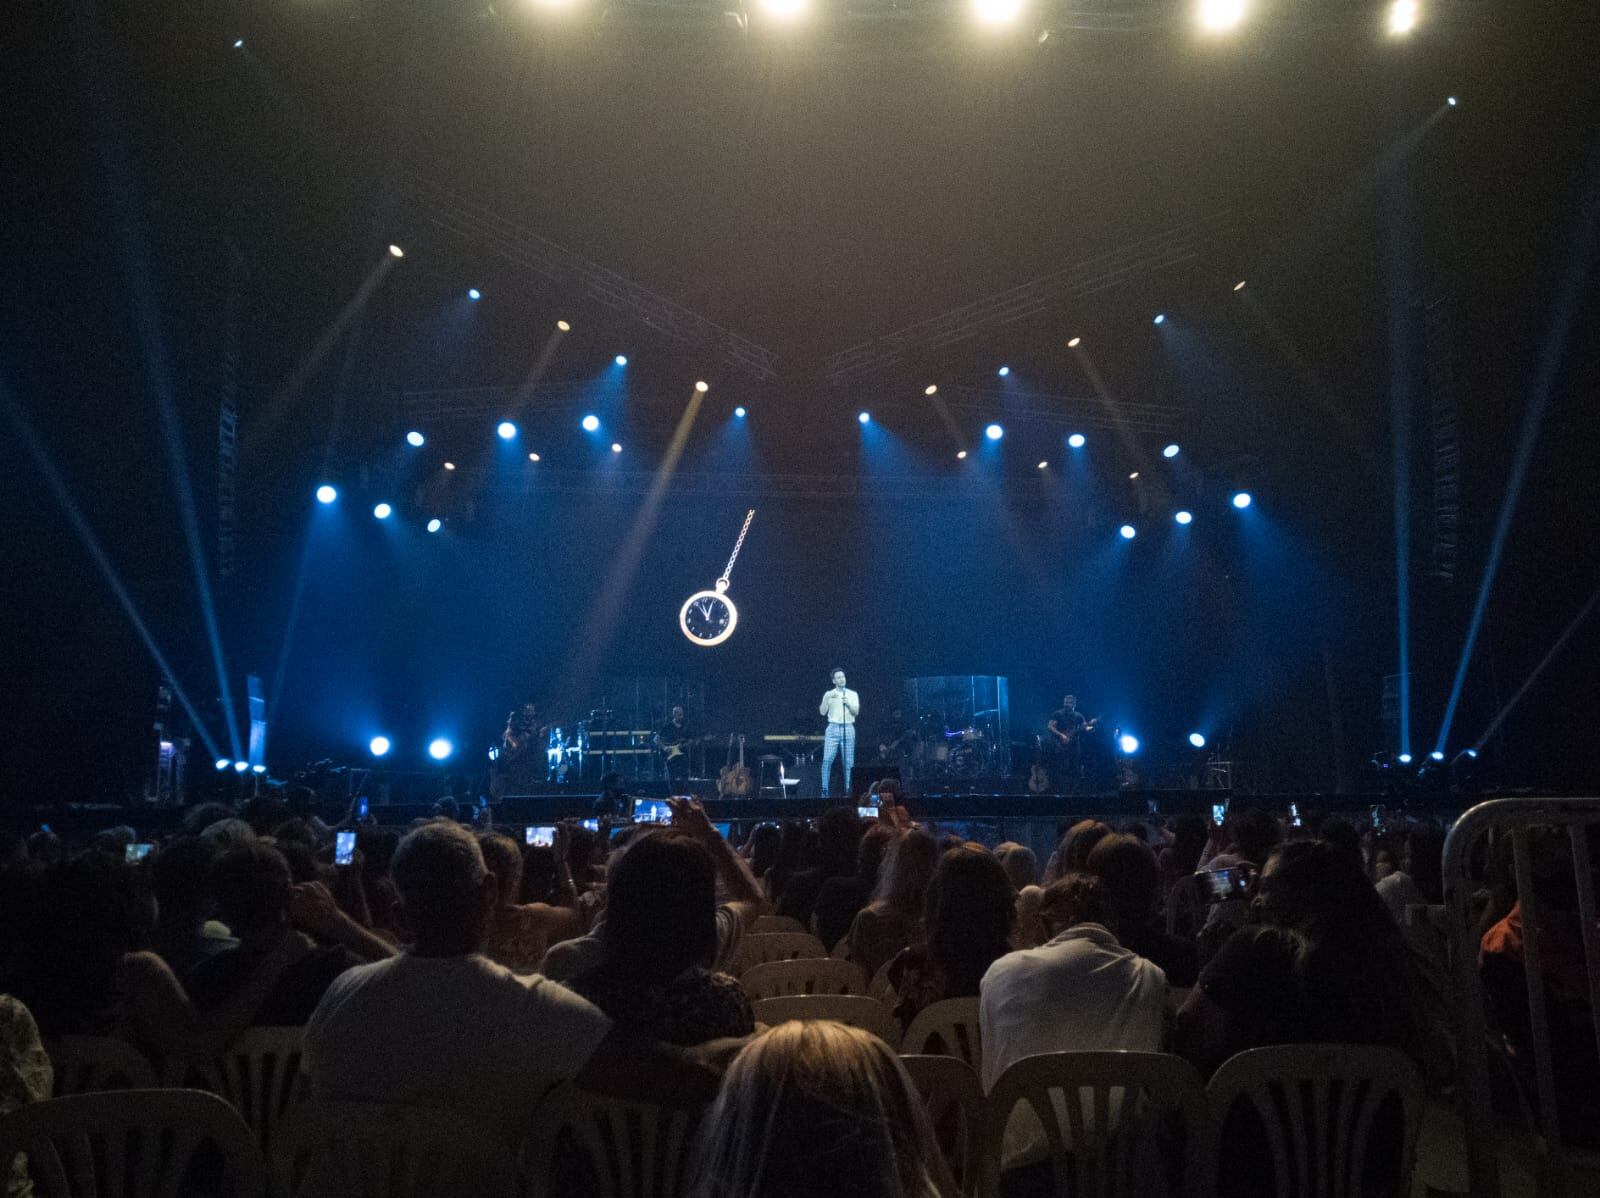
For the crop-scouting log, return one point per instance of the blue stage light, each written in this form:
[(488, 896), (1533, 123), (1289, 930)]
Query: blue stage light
[(1128, 532), (994, 432), (326, 494), (1473, 753), (1171, 451), (1128, 743), (1450, 100), (506, 431), (1242, 500), (435, 524), (238, 44), (379, 745), (1404, 759), (1161, 318), (1436, 755), (1183, 517), (415, 439), (440, 748), (591, 423), (241, 767), (1197, 739), (621, 359), (1003, 371), (474, 294), (864, 417), (382, 511), (1076, 440), (739, 412), (223, 763), (258, 769), (616, 447)]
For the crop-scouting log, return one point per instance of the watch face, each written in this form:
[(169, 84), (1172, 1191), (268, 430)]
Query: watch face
[(707, 618)]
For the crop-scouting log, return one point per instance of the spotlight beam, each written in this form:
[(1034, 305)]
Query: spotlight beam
[(1527, 683), (1565, 311), (80, 525)]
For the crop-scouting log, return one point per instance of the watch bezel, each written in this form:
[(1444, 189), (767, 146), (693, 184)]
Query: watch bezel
[(722, 597)]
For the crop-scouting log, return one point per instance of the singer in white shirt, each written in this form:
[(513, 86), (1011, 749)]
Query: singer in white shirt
[(841, 705)]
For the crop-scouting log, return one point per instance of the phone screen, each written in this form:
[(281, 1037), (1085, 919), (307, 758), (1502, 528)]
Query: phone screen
[(1220, 885), (592, 825), (1219, 812), (363, 807), (344, 848), (540, 835), (1294, 816), (136, 852), (867, 812), (651, 811), (724, 830), (1377, 817)]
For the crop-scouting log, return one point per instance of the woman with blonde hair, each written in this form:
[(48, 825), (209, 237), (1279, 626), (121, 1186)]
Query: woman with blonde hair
[(817, 1107)]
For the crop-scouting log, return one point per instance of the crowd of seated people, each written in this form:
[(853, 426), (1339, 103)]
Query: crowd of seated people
[(452, 967)]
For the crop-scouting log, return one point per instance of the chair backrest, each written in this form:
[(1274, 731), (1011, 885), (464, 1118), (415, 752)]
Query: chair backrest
[(1514, 818), (881, 988), (853, 1009), (759, 948), (1102, 1117), (132, 1144), (953, 1095), (949, 1027), (259, 1075), (1319, 1105), (613, 1148), (806, 975), (89, 1064), (766, 925), (330, 1149), (1186, 908)]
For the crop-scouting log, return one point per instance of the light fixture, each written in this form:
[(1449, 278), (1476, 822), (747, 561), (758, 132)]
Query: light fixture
[(1004, 371), (1133, 476), (1216, 16), (435, 524), (621, 359), (739, 412), (1073, 344), (1403, 15), (238, 43), (1450, 100), (326, 494), (1171, 451), (415, 439), (961, 455), (1127, 532), (223, 763), (258, 769), (996, 13), (1242, 500), (474, 294), (440, 748), (616, 447), (785, 10), (378, 745), (382, 511), (591, 423), (1183, 517), (1404, 759), (1076, 440), (702, 387), (994, 432), (1197, 739), (1161, 318), (1043, 465), (533, 457), (1436, 755), (449, 465), (1239, 286), (563, 326), (396, 252), (931, 389), (1128, 743), (864, 417), (506, 431)]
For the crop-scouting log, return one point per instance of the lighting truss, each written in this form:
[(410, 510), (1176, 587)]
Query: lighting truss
[(522, 247)]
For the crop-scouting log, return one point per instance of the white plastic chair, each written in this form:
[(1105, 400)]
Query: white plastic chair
[(949, 1027), (806, 975), (628, 1149), (1103, 1118), (92, 1064), (259, 1075), (855, 1010), (131, 1144), (1318, 1104), (881, 988), (953, 1095), (767, 925), (386, 1150), (760, 947)]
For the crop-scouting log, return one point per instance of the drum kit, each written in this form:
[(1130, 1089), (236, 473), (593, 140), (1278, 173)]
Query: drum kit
[(931, 750)]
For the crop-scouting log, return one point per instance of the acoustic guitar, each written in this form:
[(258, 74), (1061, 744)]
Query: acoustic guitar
[(734, 780)]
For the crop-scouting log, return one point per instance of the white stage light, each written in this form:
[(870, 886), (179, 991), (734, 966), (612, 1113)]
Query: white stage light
[(1217, 16), (786, 10), (995, 13), (1403, 17), (396, 252)]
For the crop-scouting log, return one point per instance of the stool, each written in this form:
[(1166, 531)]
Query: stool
[(769, 776)]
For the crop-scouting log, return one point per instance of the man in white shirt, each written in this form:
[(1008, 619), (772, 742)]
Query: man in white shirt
[(1080, 992), (841, 706), (442, 1026)]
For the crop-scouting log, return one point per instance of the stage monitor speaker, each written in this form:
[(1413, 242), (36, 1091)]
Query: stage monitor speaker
[(863, 776)]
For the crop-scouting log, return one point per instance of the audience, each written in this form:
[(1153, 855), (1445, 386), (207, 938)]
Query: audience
[(968, 915), (262, 905), (1020, 864), (1419, 878), (841, 899), (660, 937), (522, 933), (25, 1076), (819, 1108), (893, 919), (180, 876), (1080, 992), (443, 1026), (1072, 853), (1131, 879), (838, 836)]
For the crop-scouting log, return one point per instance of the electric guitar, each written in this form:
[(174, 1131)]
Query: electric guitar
[(1066, 738), (672, 750)]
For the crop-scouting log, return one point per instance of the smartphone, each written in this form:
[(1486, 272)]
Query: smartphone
[(1221, 885), (363, 807), (540, 835), (592, 825), (724, 830), (136, 852), (1219, 812), (344, 848), (867, 812), (1377, 817), (651, 811), (1294, 816)]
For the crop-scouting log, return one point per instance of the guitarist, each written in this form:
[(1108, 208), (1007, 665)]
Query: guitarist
[(1067, 726), (672, 739)]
